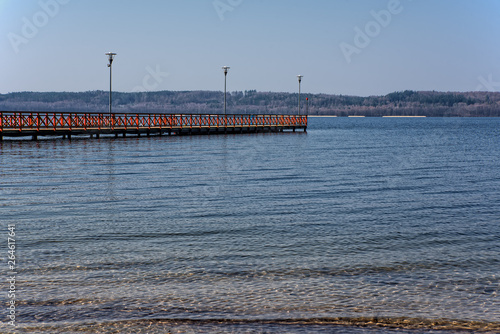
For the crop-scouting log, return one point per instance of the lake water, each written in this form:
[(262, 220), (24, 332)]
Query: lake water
[(362, 225)]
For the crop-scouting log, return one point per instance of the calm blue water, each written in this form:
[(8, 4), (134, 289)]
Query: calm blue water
[(357, 222)]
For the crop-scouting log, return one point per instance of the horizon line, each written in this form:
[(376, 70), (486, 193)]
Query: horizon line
[(252, 90)]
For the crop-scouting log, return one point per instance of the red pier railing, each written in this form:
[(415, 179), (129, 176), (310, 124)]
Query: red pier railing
[(60, 123)]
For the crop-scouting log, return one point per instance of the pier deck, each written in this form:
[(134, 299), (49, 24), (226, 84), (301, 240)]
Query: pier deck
[(35, 124)]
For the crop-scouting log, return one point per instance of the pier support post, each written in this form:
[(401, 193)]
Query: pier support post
[(34, 137)]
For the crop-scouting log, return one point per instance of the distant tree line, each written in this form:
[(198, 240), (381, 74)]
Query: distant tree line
[(405, 103)]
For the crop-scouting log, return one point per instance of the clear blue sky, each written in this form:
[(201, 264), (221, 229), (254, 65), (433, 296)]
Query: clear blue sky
[(352, 47)]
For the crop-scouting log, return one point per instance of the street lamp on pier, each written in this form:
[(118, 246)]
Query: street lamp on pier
[(300, 80), (111, 56), (225, 68)]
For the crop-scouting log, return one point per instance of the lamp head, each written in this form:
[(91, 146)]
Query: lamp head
[(111, 56)]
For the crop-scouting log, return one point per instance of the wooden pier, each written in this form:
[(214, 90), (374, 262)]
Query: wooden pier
[(35, 124)]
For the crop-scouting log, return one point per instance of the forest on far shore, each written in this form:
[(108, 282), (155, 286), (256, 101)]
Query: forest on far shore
[(405, 103)]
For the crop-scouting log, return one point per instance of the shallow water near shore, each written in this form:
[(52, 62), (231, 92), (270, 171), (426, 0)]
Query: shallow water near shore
[(359, 225)]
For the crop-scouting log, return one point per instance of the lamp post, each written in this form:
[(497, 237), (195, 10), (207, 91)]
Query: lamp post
[(300, 80), (111, 56), (225, 68)]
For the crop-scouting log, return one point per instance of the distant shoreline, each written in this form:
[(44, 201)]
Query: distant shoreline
[(354, 116), (397, 104), (405, 116)]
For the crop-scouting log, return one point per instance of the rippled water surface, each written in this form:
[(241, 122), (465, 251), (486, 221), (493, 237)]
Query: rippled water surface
[(359, 226)]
